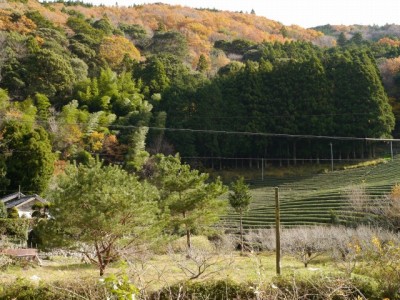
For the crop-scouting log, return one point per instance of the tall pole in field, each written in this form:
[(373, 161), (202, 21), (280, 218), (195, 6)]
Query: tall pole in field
[(331, 156), (277, 232)]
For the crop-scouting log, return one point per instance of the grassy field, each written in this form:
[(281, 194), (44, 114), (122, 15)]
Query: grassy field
[(164, 270), (314, 199)]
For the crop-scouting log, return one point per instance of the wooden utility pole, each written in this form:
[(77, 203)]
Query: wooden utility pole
[(277, 232)]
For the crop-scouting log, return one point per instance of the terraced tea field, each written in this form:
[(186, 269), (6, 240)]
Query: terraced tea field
[(314, 199)]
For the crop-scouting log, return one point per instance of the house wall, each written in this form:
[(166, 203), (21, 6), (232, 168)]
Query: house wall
[(26, 209)]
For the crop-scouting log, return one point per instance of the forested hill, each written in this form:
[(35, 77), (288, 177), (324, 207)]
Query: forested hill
[(124, 84), (200, 27), (366, 32)]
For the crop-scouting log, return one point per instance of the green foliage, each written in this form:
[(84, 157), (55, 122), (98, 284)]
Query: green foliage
[(55, 74), (15, 227), (115, 211), (238, 46), (240, 196), (240, 199), (32, 161), (187, 196), (4, 101), (104, 25), (4, 181), (202, 65), (231, 68), (82, 157), (42, 104), (300, 93), (133, 31), (12, 213), (40, 21), (120, 288), (169, 42), (26, 290), (80, 26), (218, 289), (3, 210), (341, 41)]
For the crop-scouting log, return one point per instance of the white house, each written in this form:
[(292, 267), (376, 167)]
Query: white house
[(23, 203)]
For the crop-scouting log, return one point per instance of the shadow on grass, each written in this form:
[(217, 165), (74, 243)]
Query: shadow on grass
[(70, 267)]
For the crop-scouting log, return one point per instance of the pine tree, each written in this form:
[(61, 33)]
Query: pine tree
[(240, 199), (202, 65), (187, 195)]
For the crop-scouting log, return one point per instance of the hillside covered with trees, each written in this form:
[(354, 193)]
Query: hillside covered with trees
[(125, 83)]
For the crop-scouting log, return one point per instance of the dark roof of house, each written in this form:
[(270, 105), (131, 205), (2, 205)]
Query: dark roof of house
[(19, 198)]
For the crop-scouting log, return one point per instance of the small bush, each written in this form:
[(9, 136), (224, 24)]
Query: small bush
[(17, 228), (199, 242), (325, 287), (5, 262), (22, 289), (222, 290), (368, 287)]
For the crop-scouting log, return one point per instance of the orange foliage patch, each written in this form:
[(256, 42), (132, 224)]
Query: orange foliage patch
[(201, 27), (389, 41), (114, 48), (59, 166), (20, 24)]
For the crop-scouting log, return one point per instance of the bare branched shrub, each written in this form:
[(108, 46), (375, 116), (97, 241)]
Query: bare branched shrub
[(139, 265), (346, 248), (317, 287), (197, 262), (261, 239), (225, 243), (305, 243), (383, 211), (357, 198)]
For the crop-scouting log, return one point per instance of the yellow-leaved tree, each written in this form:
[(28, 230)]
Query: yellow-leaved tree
[(115, 48)]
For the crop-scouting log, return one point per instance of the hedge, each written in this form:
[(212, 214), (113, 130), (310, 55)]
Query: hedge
[(17, 228)]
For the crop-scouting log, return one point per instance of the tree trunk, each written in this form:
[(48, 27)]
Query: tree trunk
[(241, 233), (188, 242), (288, 154), (294, 153), (102, 269), (362, 150)]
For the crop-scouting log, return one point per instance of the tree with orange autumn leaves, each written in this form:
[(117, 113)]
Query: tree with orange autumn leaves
[(115, 48)]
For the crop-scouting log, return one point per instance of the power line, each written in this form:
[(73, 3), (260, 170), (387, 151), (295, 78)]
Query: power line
[(264, 134), (227, 132)]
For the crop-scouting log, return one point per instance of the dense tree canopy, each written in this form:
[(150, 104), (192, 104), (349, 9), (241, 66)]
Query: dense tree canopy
[(29, 161), (85, 81), (115, 211), (186, 196)]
